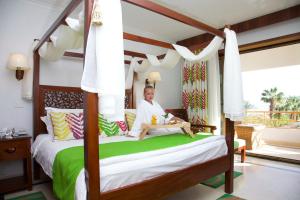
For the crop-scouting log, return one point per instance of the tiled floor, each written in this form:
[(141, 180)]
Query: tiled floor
[(261, 180), (281, 152)]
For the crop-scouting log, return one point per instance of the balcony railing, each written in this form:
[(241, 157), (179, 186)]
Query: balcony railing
[(272, 118)]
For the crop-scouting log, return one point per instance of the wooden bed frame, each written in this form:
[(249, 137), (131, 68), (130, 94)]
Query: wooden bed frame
[(55, 96)]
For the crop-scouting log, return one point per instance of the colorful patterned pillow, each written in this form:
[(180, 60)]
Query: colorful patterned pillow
[(130, 117), (75, 121), (67, 125), (61, 128), (108, 128)]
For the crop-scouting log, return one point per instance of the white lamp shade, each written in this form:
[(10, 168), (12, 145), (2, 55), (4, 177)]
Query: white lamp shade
[(17, 61), (154, 77)]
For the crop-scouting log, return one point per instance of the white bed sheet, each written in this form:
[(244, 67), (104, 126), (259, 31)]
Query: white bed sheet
[(120, 171)]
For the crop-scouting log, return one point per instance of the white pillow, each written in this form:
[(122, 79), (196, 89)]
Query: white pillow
[(51, 109), (48, 125)]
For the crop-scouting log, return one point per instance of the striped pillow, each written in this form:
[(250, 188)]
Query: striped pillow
[(130, 117), (111, 128), (61, 127), (107, 128), (75, 121)]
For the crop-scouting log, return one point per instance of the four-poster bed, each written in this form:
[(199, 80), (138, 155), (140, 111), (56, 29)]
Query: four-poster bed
[(157, 187)]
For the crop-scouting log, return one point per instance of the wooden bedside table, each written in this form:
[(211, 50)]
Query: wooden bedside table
[(17, 148)]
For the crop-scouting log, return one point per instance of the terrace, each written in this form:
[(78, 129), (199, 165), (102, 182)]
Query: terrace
[(273, 135)]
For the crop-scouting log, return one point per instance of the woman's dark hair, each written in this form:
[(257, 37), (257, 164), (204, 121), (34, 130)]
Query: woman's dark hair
[(148, 87)]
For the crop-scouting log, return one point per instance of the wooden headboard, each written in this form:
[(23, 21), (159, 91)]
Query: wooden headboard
[(57, 97), (64, 97)]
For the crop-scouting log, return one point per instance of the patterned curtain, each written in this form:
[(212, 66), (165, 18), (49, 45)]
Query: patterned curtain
[(194, 91)]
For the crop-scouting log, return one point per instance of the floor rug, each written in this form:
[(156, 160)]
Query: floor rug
[(229, 197), (219, 180), (31, 196)]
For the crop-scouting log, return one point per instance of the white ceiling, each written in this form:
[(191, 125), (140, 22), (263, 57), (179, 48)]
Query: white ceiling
[(216, 13)]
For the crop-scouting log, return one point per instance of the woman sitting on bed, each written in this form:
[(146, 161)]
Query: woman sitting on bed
[(149, 108)]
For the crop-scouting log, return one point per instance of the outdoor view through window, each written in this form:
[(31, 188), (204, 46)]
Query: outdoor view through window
[(271, 83)]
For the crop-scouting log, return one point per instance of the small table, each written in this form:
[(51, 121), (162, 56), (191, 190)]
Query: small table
[(185, 127), (16, 148)]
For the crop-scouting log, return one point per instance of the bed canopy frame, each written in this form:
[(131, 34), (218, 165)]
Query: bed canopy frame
[(155, 188)]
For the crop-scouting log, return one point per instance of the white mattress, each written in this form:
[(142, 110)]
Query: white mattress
[(120, 171)]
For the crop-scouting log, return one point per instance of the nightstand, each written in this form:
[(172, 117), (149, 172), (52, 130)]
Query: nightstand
[(17, 148)]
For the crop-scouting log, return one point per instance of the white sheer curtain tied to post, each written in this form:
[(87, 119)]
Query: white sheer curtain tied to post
[(233, 88), (104, 62)]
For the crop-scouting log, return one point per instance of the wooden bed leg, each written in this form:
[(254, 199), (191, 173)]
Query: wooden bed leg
[(243, 154), (36, 171), (230, 144)]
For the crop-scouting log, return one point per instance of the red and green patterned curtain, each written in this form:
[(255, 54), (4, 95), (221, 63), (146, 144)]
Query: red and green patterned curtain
[(194, 91)]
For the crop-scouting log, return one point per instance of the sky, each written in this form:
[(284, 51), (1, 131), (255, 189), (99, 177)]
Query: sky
[(286, 79)]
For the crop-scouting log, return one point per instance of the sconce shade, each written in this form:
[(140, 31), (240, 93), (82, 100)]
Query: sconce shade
[(17, 61), (154, 77)]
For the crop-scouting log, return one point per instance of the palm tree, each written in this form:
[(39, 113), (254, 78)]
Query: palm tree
[(272, 97), (248, 105), (292, 103)]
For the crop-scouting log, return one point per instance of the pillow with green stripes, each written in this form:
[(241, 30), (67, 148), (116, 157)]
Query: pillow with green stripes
[(109, 129)]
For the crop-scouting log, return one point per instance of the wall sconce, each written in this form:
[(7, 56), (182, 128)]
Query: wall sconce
[(153, 77), (18, 62)]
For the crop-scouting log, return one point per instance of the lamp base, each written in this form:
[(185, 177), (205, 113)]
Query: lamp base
[(19, 74)]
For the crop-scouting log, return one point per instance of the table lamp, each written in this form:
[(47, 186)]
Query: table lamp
[(153, 77)]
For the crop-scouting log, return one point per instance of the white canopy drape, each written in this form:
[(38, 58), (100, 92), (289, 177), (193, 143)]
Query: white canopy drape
[(104, 61), (170, 60), (64, 38), (233, 88), (204, 55), (150, 64)]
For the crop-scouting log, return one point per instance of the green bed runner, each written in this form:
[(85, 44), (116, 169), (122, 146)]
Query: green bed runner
[(69, 162)]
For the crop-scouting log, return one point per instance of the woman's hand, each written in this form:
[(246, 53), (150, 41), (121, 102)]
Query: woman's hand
[(175, 120)]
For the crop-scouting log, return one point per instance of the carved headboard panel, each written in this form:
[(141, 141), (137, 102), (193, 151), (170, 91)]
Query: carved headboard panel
[(57, 97), (64, 97)]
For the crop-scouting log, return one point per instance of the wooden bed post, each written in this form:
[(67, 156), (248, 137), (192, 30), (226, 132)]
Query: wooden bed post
[(36, 106), (229, 130), (36, 87), (91, 130)]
